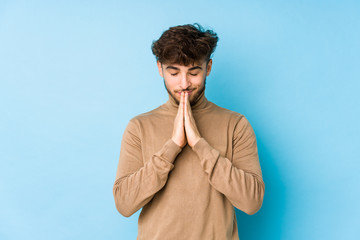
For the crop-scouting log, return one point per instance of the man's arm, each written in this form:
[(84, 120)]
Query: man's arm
[(136, 183), (240, 180)]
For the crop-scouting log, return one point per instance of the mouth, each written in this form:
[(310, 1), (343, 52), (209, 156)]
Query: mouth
[(189, 92)]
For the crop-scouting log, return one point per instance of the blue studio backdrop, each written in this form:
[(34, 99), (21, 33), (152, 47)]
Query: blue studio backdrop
[(73, 73)]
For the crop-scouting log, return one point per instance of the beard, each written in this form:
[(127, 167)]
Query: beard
[(194, 97)]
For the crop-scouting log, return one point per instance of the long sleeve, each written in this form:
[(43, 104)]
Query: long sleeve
[(136, 183), (240, 180)]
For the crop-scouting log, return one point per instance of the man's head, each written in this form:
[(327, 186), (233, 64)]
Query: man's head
[(183, 58)]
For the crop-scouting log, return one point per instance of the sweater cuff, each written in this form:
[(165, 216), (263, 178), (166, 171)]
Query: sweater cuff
[(205, 152), (169, 151)]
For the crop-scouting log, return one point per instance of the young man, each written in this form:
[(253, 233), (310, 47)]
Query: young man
[(188, 162)]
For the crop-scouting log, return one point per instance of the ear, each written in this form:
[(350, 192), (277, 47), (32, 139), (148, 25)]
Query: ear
[(208, 69), (160, 68)]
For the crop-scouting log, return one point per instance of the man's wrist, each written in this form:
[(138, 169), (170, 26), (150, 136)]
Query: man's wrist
[(169, 151), (195, 142), (174, 141), (181, 146)]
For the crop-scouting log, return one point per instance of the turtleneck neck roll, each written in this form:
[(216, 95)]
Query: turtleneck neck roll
[(201, 104)]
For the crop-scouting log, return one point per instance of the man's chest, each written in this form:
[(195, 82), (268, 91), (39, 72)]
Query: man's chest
[(217, 130)]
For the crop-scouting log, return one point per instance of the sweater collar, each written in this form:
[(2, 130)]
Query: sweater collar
[(200, 104)]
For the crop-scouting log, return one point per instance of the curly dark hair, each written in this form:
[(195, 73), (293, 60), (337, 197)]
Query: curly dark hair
[(185, 44)]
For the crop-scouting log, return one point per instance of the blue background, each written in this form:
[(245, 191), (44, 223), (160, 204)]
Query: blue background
[(74, 72)]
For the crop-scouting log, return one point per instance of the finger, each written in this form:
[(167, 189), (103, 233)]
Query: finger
[(186, 104), (188, 107), (179, 108), (182, 103), (184, 98)]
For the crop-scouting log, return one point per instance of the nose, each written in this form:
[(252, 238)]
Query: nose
[(184, 81)]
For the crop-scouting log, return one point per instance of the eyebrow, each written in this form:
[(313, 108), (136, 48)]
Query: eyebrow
[(175, 68)]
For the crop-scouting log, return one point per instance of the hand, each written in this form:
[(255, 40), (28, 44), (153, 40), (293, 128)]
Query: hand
[(192, 133), (178, 135)]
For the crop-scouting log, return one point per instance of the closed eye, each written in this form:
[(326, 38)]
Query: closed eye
[(173, 74)]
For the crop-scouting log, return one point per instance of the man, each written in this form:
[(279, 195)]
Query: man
[(188, 162)]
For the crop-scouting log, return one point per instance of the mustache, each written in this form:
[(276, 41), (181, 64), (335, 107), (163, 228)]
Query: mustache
[(186, 90)]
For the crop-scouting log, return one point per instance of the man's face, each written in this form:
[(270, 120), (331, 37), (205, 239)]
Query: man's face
[(191, 78)]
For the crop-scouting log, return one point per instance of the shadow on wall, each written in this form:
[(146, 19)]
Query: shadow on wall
[(267, 222)]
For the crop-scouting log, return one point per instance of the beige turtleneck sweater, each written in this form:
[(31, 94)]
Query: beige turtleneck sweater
[(188, 193)]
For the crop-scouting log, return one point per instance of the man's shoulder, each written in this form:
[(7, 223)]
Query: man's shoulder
[(154, 113), (238, 120), (221, 111)]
